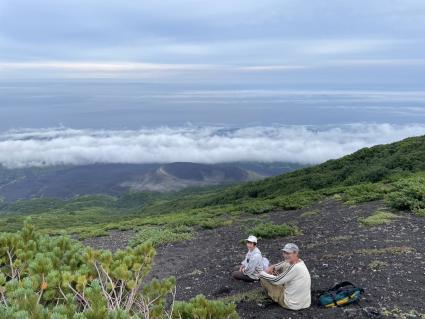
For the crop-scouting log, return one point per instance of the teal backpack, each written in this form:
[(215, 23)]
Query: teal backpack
[(341, 294)]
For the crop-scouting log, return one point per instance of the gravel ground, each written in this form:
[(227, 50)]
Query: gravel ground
[(387, 261)]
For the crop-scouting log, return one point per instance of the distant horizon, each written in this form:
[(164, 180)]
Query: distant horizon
[(130, 62), (128, 105), (182, 69)]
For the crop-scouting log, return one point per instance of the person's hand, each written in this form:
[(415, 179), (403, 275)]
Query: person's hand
[(241, 268), (271, 269)]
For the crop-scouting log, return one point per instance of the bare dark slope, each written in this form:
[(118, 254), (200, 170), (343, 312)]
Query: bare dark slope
[(176, 176), (388, 261)]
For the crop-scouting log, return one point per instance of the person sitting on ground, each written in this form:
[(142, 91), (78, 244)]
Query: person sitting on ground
[(288, 283), (252, 265)]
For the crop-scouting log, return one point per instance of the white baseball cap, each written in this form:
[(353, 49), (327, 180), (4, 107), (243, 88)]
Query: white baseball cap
[(252, 239), (290, 248)]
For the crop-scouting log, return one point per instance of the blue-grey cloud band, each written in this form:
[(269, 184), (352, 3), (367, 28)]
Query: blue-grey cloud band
[(295, 143)]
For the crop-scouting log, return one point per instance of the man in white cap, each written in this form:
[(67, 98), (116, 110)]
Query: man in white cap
[(252, 265), (288, 283)]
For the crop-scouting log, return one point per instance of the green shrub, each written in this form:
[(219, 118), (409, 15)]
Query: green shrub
[(257, 207), (409, 194), (45, 277), (93, 233), (215, 223), (296, 200), (202, 308), (270, 230), (378, 218), (159, 235), (364, 193)]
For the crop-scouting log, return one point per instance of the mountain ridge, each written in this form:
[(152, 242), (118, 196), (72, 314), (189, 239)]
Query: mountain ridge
[(116, 179)]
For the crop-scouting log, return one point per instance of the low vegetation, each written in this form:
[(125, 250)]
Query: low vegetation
[(397, 313), (270, 230), (379, 218), (158, 235), (378, 265), (393, 250), (45, 277), (380, 164), (409, 194), (394, 173), (200, 307)]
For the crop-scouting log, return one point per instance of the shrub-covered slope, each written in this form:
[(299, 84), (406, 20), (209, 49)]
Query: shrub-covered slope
[(368, 165), (395, 172)]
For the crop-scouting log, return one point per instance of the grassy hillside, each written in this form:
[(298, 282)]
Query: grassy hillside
[(367, 174), (368, 165), (395, 172)]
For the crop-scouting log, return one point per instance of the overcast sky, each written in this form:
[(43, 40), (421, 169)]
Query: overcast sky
[(302, 74), (378, 42)]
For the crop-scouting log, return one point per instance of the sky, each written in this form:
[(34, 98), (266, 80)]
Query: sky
[(113, 66), (378, 42)]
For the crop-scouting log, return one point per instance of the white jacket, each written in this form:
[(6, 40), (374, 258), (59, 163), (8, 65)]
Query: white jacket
[(253, 263), (297, 282)]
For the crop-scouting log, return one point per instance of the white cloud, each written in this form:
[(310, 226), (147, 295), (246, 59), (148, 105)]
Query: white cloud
[(271, 68), (377, 62), (129, 69), (107, 67), (314, 95), (204, 145), (344, 46)]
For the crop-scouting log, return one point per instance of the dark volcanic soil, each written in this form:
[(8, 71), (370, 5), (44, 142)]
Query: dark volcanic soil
[(387, 261)]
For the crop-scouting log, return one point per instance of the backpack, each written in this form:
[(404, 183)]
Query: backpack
[(341, 294)]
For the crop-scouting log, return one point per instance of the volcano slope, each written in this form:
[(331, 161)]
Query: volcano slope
[(360, 219), (387, 260)]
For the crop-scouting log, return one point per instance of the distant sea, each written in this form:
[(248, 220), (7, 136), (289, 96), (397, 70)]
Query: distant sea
[(133, 105)]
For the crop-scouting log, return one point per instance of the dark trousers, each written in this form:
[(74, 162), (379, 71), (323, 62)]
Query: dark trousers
[(239, 275)]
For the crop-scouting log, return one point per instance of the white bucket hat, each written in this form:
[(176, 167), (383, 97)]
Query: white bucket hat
[(252, 239)]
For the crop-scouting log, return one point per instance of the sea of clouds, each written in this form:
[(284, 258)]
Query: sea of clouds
[(295, 143)]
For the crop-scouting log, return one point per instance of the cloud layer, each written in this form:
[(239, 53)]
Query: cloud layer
[(302, 144)]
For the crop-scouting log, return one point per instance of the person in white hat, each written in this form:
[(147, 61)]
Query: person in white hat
[(252, 265), (288, 283)]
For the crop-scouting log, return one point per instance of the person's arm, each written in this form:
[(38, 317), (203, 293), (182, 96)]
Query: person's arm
[(266, 275), (281, 279), (274, 269), (280, 266), (244, 263), (254, 263)]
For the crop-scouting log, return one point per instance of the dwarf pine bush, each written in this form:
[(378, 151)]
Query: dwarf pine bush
[(202, 308), (409, 194), (44, 277), (270, 230), (158, 235), (378, 218)]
